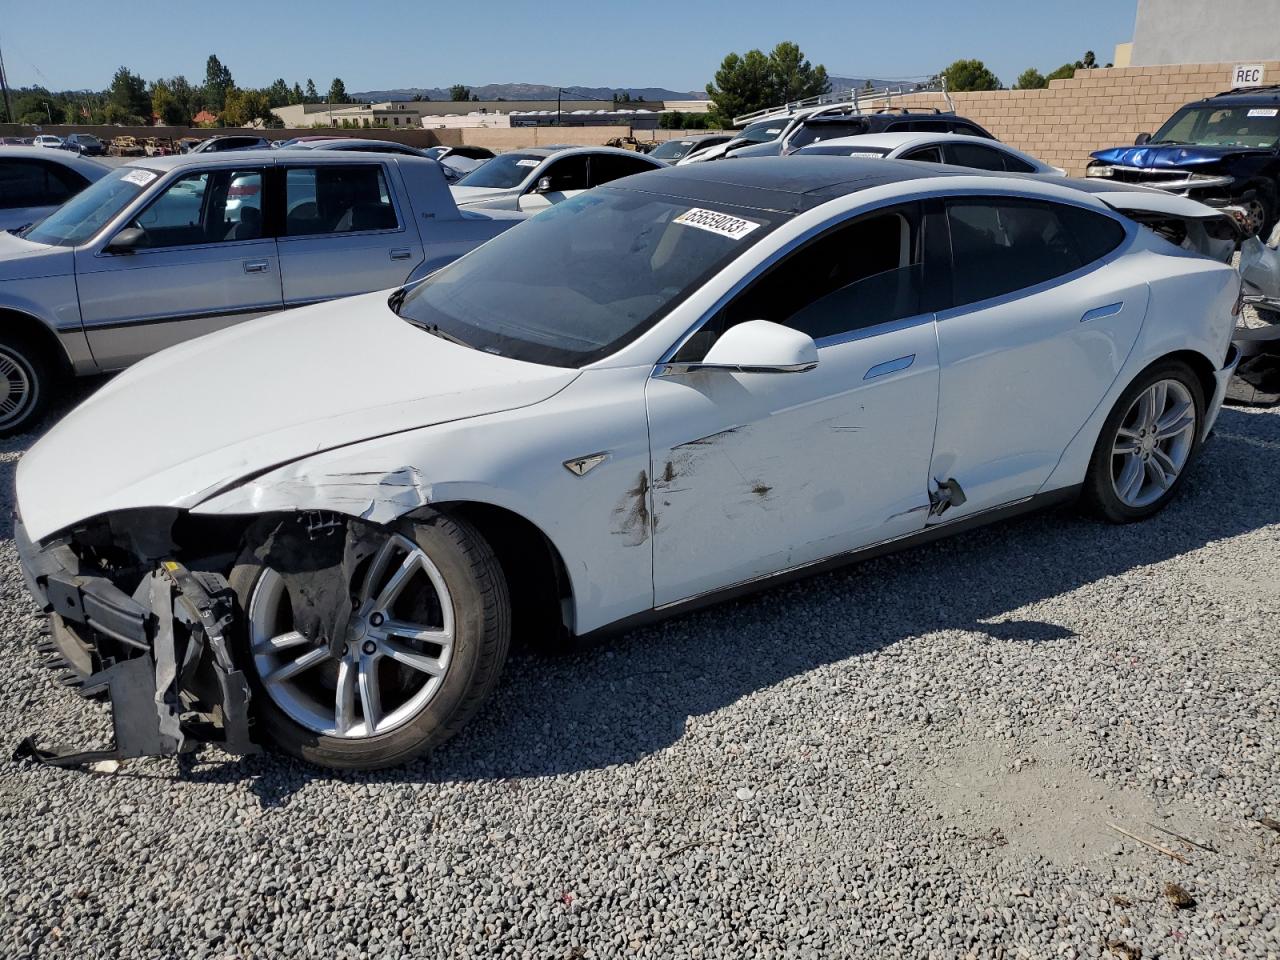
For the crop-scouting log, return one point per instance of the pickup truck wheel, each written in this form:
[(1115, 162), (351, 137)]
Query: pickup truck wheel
[(25, 376), (426, 642), (1260, 208)]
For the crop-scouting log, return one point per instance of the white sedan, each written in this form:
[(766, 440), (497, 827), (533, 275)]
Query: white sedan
[(665, 391), (537, 177), (976, 153)]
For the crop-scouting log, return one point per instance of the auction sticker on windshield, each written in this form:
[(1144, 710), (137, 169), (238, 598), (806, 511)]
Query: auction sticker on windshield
[(735, 228), (527, 163), (1264, 111), (140, 177)]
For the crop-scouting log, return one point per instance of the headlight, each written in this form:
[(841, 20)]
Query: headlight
[(1099, 170)]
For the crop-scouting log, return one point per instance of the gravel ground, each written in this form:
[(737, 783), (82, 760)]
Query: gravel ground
[(916, 757)]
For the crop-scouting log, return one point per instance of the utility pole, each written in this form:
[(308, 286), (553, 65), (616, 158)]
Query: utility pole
[(558, 93), (4, 88)]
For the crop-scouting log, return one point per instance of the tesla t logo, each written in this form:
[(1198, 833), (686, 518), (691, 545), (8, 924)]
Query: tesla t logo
[(1248, 75)]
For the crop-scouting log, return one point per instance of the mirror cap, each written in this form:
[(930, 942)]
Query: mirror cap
[(761, 346)]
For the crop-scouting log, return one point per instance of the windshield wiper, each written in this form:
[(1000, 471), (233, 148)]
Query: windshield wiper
[(1185, 143), (434, 330), (396, 300)]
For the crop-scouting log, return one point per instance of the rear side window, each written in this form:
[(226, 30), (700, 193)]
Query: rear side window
[(337, 199), (817, 132), (968, 129), (1095, 234), (975, 156), (1002, 245), (925, 155), (606, 167)]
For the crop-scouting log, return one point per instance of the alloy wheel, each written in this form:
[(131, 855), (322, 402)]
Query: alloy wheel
[(1153, 443), (398, 647)]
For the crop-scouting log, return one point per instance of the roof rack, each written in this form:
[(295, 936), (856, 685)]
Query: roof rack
[(850, 101), (1268, 88)]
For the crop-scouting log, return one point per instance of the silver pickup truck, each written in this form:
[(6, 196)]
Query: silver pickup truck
[(164, 249)]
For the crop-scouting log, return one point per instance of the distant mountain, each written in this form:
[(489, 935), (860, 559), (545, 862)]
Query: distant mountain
[(532, 91)]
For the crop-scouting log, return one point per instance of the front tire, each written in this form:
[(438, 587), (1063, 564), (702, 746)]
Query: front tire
[(428, 636), (26, 381), (1147, 444)]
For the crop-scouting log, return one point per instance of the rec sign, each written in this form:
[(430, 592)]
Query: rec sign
[(1248, 75)]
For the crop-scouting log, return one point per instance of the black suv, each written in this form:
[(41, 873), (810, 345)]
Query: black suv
[(801, 130), (1223, 151)]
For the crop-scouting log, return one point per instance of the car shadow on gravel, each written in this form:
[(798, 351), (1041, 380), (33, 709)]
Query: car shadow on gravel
[(630, 696)]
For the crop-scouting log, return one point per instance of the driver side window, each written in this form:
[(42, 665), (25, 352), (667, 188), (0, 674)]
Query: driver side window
[(857, 275), (569, 173), (212, 206)]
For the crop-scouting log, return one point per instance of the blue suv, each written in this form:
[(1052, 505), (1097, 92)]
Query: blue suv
[(1223, 151)]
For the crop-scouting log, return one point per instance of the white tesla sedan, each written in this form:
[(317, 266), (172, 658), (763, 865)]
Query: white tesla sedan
[(954, 149), (652, 395)]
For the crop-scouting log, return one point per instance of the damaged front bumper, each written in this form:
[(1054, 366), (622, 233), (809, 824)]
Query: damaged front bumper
[(162, 655)]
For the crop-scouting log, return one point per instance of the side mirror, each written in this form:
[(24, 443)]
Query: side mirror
[(1141, 139), (544, 185), (127, 240), (757, 346)]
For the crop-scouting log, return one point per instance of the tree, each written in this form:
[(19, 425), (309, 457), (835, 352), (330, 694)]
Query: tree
[(1090, 61), (312, 96), (756, 80), (867, 86), (338, 91), (278, 93), (742, 84), (244, 107), (794, 77), (129, 96), (1064, 72), (296, 95), (1031, 79), (217, 83), (970, 75), (459, 92)]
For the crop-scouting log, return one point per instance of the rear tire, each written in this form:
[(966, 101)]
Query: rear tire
[(26, 382), (477, 616), (1147, 444)]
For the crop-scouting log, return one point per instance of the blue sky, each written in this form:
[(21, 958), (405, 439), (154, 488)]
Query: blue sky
[(70, 44)]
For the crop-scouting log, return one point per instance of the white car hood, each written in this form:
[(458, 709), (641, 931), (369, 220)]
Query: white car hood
[(197, 418), (463, 195)]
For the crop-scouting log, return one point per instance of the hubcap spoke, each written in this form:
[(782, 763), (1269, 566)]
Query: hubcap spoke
[(412, 658), (370, 694), (1158, 475), (416, 631), (283, 642), (408, 567), (1130, 481), (294, 667), (344, 700)]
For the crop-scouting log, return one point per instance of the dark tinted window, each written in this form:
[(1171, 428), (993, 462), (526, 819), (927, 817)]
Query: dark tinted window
[(337, 199), (919, 126), (925, 155), (858, 275), (826, 130), (968, 129), (1001, 245), (34, 183), (605, 167), (569, 173), (1016, 165), (1095, 234), (974, 155)]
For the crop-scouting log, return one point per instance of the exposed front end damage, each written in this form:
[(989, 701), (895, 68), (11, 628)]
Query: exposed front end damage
[(128, 620)]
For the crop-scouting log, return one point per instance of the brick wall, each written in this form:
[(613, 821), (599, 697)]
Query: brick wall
[(1099, 108)]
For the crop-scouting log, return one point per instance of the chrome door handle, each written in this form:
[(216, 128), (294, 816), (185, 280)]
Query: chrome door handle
[(401, 253), (889, 366), (1099, 313), (255, 266)]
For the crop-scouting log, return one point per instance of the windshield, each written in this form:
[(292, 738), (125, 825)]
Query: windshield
[(826, 130), (505, 171), (84, 214), (1226, 126), (585, 277), (764, 131), (672, 150)]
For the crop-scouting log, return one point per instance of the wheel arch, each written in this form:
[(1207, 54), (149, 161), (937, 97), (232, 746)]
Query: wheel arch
[(538, 581), (34, 330)]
